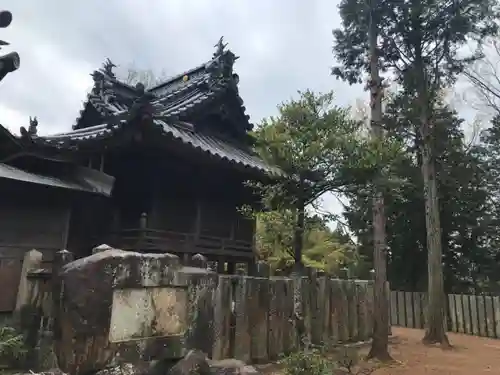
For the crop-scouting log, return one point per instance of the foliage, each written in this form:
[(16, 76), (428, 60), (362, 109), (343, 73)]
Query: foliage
[(307, 363), (419, 41), (324, 249), (468, 179), (320, 148), (12, 345)]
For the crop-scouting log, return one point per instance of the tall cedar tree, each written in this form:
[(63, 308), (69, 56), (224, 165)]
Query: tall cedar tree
[(420, 45), (380, 342)]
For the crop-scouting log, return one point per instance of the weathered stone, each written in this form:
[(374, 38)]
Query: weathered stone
[(194, 363), (121, 307), (232, 367)]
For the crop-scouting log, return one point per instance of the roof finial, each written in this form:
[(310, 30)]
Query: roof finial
[(107, 68), (220, 47), (33, 126)]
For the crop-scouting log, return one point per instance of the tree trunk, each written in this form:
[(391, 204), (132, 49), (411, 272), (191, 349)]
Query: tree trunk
[(435, 332), (380, 342), (298, 242), (298, 235)]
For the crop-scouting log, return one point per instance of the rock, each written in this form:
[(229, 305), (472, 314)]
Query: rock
[(122, 369), (93, 336), (232, 367), (194, 363)]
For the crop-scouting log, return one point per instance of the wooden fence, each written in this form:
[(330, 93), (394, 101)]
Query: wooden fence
[(254, 318), (476, 315), (244, 317)]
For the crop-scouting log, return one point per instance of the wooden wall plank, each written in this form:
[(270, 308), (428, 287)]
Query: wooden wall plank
[(473, 313), (363, 325), (496, 313), (490, 317), (335, 310), (467, 314), (409, 309), (242, 338), (343, 312), (258, 306), (325, 295), (459, 313), (222, 318), (394, 308), (417, 308), (352, 314), (481, 316), (401, 309), (276, 302), (452, 312), (289, 332)]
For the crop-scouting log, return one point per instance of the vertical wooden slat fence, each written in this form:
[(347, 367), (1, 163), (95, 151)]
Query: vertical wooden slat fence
[(254, 316), (477, 315)]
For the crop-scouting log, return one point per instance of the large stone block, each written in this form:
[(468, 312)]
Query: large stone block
[(120, 307)]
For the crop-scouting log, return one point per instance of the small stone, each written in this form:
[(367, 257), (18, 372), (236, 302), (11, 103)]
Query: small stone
[(232, 367), (194, 363), (122, 369)]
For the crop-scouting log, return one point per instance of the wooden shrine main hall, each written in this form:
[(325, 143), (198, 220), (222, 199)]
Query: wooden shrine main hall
[(154, 170)]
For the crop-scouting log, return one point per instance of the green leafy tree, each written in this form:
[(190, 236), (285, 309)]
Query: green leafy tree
[(324, 249), (419, 44), (313, 142)]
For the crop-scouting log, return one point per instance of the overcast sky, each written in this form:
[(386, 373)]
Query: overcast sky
[(284, 46)]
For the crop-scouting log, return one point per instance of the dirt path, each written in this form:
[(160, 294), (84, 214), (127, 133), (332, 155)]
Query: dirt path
[(470, 356)]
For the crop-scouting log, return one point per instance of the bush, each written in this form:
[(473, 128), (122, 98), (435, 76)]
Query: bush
[(12, 345), (307, 363)]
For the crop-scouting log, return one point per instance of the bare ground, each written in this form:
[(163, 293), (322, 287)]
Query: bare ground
[(470, 356)]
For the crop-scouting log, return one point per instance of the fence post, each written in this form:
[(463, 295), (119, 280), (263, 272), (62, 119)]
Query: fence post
[(32, 260), (61, 258)]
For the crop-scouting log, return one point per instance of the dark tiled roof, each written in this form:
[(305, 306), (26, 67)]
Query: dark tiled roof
[(86, 181), (169, 104), (175, 98), (209, 144)]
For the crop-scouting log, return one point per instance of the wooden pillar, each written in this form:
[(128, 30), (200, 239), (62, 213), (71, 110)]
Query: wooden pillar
[(251, 267), (141, 238), (32, 260), (262, 269), (231, 267), (221, 262)]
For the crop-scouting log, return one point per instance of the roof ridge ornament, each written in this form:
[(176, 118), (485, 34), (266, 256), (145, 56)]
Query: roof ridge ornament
[(32, 130), (221, 65), (107, 68), (220, 47)]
